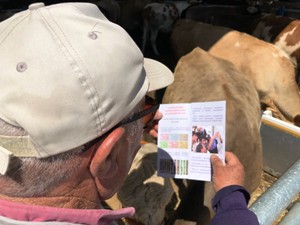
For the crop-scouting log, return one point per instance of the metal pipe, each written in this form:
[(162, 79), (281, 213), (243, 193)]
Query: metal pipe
[(293, 216), (276, 199)]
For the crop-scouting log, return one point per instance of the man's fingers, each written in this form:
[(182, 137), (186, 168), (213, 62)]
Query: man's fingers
[(153, 132), (158, 115), (216, 161), (231, 158)]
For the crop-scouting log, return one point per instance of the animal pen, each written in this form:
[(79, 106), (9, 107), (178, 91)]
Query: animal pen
[(281, 158)]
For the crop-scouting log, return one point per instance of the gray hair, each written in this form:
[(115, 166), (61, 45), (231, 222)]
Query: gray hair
[(34, 177), (31, 177)]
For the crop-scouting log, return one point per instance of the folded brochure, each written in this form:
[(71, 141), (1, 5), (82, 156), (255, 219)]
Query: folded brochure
[(188, 134)]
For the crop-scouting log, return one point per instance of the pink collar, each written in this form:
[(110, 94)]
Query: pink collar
[(24, 212)]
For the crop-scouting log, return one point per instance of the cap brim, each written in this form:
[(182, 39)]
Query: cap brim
[(158, 74)]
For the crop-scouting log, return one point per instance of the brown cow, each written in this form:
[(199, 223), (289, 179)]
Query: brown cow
[(267, 66), (289, 40), (282, 31), (199, 77)]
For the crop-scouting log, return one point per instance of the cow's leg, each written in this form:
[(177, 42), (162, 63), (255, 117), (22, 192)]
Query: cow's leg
[(153, 37), (145, 35)]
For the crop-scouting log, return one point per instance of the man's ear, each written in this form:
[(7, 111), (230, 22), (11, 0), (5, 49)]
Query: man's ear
[(103, 163)]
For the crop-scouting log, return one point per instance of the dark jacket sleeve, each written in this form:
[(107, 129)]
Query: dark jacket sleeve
[(230, 204)]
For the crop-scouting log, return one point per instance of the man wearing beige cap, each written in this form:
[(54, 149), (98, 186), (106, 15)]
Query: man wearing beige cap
[(73, 111)]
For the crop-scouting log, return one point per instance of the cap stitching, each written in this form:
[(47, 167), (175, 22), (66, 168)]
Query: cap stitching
[(85, 83), (11, 26)]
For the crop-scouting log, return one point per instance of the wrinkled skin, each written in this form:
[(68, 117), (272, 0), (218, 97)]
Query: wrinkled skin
[(268, 67), (200, 77)]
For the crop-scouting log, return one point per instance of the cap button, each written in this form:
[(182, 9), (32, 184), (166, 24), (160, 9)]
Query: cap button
[(36, 5)]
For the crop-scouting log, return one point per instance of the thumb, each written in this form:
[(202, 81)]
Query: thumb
[(215, 161)]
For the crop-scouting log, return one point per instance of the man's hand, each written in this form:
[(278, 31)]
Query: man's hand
[(232, 173), (154, 129)]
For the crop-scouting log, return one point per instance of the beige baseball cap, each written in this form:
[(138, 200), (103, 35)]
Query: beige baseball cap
[(67, 76)]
